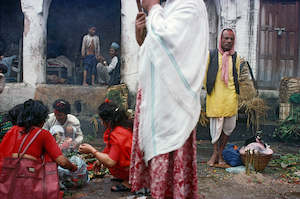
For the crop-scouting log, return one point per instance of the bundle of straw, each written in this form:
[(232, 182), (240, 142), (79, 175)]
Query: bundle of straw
[(288, 86), (255, 109), (249, 101)]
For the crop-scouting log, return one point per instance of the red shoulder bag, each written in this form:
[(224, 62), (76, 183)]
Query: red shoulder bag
[(26, 178)]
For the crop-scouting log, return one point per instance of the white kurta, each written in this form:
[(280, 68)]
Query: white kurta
[(171, 71)]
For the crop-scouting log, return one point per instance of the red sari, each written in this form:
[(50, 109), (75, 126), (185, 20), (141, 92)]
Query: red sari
[(44, 144), (170, 175), (118, 147)]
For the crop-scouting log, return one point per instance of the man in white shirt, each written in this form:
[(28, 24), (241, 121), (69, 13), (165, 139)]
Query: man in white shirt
[(62, 117), (110, 73)]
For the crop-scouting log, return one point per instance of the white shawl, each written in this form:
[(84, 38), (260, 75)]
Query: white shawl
[(172, 66)]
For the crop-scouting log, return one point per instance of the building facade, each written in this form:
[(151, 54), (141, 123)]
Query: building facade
[(267, 35)]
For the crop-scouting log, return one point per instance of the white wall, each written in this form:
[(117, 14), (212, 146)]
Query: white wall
[(236, 14), (130, 47)]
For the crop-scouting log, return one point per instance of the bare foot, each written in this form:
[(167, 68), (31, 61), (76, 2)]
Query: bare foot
[(221, 160), (85, 84), (212, 160)]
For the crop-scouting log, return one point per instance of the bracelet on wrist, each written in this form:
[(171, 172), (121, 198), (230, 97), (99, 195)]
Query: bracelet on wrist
[(94, 152)]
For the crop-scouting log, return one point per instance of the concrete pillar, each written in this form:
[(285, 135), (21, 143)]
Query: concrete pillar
[(130, 47), (35, 40), (254, 26), (213, 23)]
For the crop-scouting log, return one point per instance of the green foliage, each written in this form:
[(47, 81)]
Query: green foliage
[(119, 95), (88, 138), (287, 160), (290, 127), (289, 165)]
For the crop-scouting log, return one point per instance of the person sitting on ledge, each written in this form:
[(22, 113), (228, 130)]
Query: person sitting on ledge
[(110, 73), (118, 139), (69, 123)]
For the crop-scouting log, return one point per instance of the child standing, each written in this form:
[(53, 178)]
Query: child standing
[(90, 50)]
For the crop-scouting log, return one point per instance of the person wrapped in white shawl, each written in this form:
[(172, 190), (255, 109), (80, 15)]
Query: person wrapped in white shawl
[(172, 64)]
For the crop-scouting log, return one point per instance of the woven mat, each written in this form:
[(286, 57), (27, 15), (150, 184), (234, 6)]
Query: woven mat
[(225, 166)]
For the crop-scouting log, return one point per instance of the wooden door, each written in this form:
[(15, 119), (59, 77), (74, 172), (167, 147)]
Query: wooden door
[(278, 44)]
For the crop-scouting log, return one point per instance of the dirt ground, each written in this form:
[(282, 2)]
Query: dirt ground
[(214, 183)]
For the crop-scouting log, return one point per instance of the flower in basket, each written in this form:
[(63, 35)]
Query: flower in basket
[(257, 155)]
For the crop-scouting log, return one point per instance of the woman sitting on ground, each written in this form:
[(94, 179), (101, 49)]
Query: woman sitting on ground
[(118, 139), (29, 119)]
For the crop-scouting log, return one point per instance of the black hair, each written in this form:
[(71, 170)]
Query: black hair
[(62, 106), (91, 26), (34, 113), (14, 113), (3, 68), (115, 116)]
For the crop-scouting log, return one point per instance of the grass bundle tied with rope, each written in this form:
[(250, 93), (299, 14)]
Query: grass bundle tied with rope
[(250, 103)]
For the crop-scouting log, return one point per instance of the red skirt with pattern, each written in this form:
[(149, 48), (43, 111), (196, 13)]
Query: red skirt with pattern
[(170, 175)]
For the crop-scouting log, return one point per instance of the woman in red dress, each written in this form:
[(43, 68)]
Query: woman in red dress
[(29, 119), (118, 139)]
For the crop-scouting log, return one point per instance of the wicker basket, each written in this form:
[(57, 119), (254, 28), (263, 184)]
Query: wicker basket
[(260, 161)]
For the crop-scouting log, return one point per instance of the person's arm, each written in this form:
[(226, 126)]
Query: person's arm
[(205, 76), (55, 153), (112, 64), (2, 82), (166, 26), (47, 125), (102, 157), (97, 47), (140, 28), (83, 46), (148, 4), (65, 163), (79, 135)]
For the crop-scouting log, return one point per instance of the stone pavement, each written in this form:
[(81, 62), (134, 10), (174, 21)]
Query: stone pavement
[(214, 183)]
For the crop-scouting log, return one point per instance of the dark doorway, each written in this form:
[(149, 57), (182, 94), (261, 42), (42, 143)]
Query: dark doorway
[(11, 33), (68, 22), (278, 45)]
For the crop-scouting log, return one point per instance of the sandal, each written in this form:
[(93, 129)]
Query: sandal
[(120, 188)]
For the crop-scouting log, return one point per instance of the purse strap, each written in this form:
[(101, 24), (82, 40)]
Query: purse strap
[(28, 145)]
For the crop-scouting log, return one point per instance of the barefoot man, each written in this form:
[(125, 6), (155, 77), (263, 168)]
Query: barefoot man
[(90, 50), (222, 93)]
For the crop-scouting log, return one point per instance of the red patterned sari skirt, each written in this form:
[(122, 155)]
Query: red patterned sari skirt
[(170, 175)]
